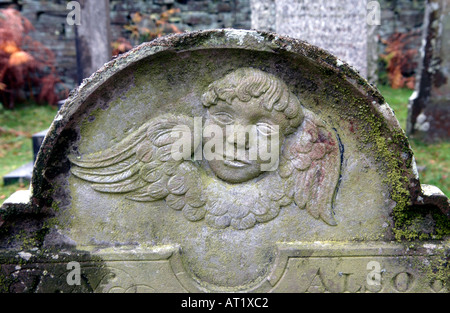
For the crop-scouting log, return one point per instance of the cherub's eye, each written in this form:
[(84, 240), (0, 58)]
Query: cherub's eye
[(267, 129), (223, 118)]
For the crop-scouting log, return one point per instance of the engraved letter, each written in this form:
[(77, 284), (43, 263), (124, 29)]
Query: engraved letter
[(403, 281), (317, 284)]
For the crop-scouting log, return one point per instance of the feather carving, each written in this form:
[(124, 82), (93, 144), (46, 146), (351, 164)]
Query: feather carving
[(141, 168), (312, 168)]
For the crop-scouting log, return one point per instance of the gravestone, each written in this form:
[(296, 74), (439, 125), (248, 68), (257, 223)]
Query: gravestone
[(429, 106), (93, 36), (338, 26), (225, 161), (23, 173)]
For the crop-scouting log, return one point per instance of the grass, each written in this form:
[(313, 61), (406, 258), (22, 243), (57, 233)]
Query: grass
[(398, 101), (17, 127)]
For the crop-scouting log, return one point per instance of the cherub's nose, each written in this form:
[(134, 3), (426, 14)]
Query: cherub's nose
[(238, 138)]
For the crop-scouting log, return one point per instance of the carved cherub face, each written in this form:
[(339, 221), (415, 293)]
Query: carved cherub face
[(142, 166), (270, 125), (252, 110)]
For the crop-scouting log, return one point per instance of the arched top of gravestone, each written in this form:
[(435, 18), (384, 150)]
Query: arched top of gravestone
[(343, 155)]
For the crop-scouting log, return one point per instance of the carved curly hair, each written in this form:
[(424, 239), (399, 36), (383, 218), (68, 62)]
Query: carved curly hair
[(247, 83)]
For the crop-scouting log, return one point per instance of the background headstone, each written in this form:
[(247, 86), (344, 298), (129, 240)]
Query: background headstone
[(429, 107), (23, 173), (93, 37), (339, 26)]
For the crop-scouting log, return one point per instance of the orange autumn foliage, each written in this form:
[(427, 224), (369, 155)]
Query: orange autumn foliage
[(400, 60), (26, 65), (146, 27)]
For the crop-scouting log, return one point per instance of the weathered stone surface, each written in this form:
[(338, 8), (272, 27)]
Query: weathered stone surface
[(108, 192), (299, 267), (429, 107), (337, 26)]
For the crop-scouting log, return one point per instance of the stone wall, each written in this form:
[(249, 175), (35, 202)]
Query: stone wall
[(194, 14), (49, 19), (400, 16), (51, 29)]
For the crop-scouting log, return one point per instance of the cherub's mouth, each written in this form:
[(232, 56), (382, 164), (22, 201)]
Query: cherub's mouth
[(236, 163)]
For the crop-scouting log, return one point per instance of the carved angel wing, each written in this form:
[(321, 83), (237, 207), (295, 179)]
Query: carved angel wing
[(142, 167), (311, 164)]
